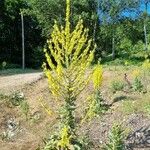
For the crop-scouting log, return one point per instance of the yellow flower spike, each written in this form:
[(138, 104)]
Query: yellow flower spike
[(65, 138), (97, 76)]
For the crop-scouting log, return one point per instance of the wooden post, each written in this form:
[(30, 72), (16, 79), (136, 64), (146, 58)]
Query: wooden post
[(23, 49)]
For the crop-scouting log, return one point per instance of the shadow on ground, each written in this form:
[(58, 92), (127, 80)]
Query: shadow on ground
[(139, 139)]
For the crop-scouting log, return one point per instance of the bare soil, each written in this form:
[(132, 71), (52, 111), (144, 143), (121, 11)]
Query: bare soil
[(32, 132)]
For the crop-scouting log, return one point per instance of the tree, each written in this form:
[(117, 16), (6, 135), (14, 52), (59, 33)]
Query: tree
[(47, 11), (145, 20), (112, 12), (10, 29)]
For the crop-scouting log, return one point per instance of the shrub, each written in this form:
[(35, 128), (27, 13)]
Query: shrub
[(137, 83)]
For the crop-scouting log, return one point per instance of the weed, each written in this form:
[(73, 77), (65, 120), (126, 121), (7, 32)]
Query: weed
[(128, 107), (16, 98), (137, 85), (68, 78), (147, 109), (117, 85), (96, 102), (3, 97), (116, 139), (146, 65), (24, 106), (95, 107)]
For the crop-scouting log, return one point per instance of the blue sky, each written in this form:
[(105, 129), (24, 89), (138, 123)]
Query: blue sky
[(134, 14), (142, 8)]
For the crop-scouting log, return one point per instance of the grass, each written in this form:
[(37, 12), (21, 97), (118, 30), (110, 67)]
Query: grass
[(128, 107)]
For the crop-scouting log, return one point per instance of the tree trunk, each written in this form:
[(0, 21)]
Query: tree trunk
[(145, 25), (145, 35), (94, 32), (23, 51)]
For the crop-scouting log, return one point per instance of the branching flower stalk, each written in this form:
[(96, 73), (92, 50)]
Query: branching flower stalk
[(95, 106), (67, 79)]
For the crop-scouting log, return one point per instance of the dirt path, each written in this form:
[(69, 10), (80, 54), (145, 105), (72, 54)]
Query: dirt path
[(15, 82)]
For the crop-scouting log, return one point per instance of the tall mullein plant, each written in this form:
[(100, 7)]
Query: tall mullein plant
[(95, 106), (72, 54)]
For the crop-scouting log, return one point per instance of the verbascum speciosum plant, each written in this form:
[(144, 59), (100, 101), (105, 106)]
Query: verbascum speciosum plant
[(95, 106), (116, 138), (67, 78)]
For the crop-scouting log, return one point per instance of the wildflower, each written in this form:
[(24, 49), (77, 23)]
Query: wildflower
[(136, 73), (97, 76)]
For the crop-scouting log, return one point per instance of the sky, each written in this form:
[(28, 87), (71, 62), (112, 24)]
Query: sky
[(142, 8), (133, 14)]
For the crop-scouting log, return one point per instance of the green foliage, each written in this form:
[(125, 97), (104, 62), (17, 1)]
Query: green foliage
[(24, 106), (138, 47), (128, 107), (56, 8), (4, 64), (16, 98), (10, 29), (117, 85), (137, 85), (125, 45), (147, 109), (95, 107), (146, 66), (116, 139), (56, 142)]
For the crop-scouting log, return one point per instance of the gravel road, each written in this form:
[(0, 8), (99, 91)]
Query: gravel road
[(15, 82)]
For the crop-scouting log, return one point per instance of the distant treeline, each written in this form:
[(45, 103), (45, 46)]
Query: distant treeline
[(120, 28)]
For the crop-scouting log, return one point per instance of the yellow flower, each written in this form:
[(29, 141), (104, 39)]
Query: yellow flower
[(146, 65), (65, 138), (136, 73), (97, 76)]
